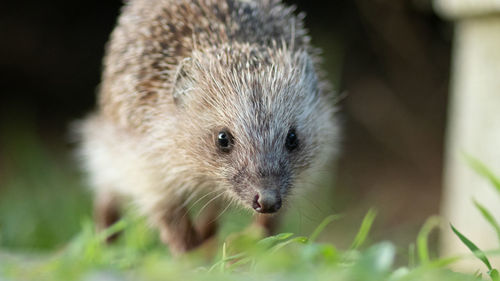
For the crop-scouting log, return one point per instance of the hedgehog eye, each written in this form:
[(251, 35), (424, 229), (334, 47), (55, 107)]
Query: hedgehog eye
[(224, 141), (292, 142)]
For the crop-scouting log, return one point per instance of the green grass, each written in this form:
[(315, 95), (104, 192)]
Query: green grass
[(137, 255), (42, 198), (46, 233)]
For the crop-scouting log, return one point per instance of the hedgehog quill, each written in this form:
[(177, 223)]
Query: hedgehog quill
[(217, 98)]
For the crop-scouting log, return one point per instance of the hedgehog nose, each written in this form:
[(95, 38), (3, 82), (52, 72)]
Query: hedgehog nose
[(267, 202)]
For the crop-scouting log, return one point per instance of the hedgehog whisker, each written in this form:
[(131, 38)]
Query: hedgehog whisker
[(194, 204), (306, 216), (199, 199), (313, 204), (210, 201), (223, 211)]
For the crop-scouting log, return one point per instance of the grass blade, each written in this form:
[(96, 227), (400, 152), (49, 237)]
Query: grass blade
[(234, 259), (322, 226), (489, 217), (224, 256), (494, 275), (481, 169), (411, 256), (115, 228), (366, 225), (272, 240), (423, 237), (475, 250), (300, 239), (444, 262)]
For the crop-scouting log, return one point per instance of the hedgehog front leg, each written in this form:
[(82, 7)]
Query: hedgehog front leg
[(177, 230), (106, 211), (207, 224), (267, 222)]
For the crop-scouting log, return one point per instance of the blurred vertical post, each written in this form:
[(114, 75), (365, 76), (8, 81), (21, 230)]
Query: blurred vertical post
[(473, 124)]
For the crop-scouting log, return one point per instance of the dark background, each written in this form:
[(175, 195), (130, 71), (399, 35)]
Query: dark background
[(390, 57)]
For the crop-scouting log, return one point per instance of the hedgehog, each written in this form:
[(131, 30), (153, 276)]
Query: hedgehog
[(220, 99)]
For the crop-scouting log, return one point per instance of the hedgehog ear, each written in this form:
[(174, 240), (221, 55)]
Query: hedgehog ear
[(182, 82), (308, 68)]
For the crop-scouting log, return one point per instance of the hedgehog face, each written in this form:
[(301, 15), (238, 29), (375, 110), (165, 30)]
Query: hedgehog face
[(258, 170), (264, 120)]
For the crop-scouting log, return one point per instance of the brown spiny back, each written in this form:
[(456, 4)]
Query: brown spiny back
[(153, 37)]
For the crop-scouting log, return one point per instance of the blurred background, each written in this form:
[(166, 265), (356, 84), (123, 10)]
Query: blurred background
[(391, 58)]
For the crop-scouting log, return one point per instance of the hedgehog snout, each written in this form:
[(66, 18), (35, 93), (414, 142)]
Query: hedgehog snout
[(267, 201)]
